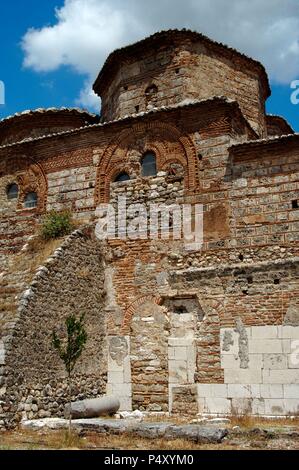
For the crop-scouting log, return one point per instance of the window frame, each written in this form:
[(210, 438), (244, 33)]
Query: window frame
[(31, 207), (9, 195), (152, 164)]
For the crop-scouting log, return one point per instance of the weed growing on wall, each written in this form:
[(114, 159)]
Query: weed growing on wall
[(56, 225)]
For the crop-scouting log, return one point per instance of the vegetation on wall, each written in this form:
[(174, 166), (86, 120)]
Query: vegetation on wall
[(70, 349), (56, 224)]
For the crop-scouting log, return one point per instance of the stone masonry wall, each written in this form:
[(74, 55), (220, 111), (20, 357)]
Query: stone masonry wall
[(167, 75), (33, 382), (252, 366), (264, 198), (166, 307), (15, 225)]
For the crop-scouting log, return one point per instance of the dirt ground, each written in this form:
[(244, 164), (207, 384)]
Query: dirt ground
[(243, 434)]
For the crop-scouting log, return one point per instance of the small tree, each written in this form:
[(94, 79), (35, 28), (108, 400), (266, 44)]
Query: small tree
[(70, 350)]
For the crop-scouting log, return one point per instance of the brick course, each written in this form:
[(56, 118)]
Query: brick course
[(159, 324)]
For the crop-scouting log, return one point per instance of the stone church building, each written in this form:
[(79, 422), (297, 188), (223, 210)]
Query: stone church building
[(213, 330)]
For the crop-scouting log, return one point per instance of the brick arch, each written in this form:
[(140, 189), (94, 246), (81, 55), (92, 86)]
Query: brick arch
[(116, 170), (30, 177), (131, 310), (159, 149), (169, 161), (130, 137)]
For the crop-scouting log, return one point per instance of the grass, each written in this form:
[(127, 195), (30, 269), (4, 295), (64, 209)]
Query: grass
[(59, 440), (4, 306), (242, 439), (250, 422), (37, 252)]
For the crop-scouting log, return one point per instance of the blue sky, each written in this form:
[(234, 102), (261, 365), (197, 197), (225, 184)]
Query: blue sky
[(54, 64), (24, 88)]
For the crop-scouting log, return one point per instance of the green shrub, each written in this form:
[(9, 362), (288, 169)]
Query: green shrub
[(56, 225)]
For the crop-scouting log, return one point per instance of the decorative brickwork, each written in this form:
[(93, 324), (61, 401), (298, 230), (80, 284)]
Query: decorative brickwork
[(208, 330), (125, 154)]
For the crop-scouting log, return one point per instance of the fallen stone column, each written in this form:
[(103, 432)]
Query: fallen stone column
[(92, 408)]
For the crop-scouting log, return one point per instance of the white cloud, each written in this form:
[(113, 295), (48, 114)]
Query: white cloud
[(87, 98), (86, 31)]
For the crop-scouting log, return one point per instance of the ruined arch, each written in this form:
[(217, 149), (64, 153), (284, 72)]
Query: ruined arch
[(131, 310)]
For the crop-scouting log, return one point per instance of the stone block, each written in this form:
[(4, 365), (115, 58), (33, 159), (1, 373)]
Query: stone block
[(241, 406), (204, 390), (292, 405), (272, 391), (258, 406), (127, 375), (178, 371), (243, 376), (217, 405), (115, 377), (177, 342), (119, 390), (289, 376), (171, 352), (291, 391), (286, 346), (248, 331), (230, 361), (201, 405), (255, 390), (290, 332), (181, 353), (275, 407), (275, 361), (219, 390), (293, 359), (260, 346), (264, 332), (239, 391), (125, 404), (113, 366), (255, 361)]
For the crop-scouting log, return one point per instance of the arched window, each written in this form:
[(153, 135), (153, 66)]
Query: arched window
[(12, 191), (30, 200), (149, 165), (122, 177)]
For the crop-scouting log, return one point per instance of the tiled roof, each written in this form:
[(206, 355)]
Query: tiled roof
[(40, 111), (280, 120), (269, 140), (183, 104)]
